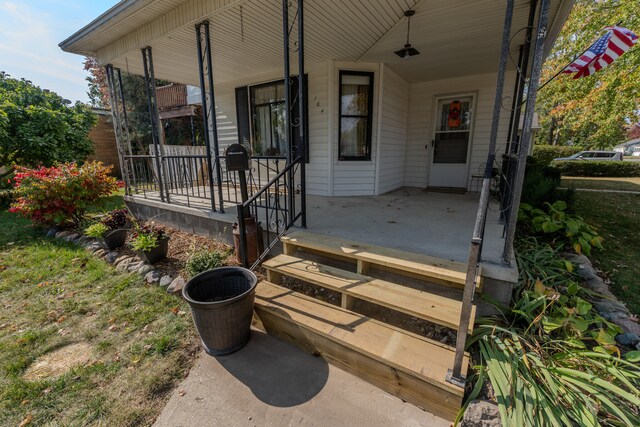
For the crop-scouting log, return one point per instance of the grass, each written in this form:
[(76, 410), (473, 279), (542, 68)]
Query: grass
[(616, 216), (54, 294), (624, 184)]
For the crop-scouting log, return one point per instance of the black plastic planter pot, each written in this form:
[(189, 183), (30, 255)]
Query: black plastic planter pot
[(156, 254), (221, 303), (115, 238)]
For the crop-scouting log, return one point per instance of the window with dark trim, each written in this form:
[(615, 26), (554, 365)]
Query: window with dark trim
[(356, 105), (260, 113), (268, 120)]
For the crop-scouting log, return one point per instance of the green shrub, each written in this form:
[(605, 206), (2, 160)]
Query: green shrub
[(544, 154), (147, 237), (6, 198), (96, 230), (542, 185), (587, 168), (204, 260)]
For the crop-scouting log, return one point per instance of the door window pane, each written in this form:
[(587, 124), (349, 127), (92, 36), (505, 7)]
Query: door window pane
[(451, 147)]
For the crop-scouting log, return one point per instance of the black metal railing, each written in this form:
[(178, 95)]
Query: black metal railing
[(187, 176), (275, 209)]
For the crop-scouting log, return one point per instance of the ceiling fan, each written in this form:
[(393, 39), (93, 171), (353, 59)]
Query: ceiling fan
[(408, 51)]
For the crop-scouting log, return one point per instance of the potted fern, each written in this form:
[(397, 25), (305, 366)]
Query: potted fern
[(151, 243), (111, 230)]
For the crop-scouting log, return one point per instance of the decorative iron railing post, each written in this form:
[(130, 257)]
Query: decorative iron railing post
[(120, 124), (302, 126), (154, 118), (287, 102), (454, 375), (205, 67), (523, 149)]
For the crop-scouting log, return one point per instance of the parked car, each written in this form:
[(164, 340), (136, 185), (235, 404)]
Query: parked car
[(594, 155), (636, 152)]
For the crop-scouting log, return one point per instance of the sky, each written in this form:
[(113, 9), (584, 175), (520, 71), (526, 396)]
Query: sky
[(30, 31)]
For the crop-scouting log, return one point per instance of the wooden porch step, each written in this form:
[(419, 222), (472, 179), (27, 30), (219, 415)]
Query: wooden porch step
[(424, 305), (436, 270), (403, 364)]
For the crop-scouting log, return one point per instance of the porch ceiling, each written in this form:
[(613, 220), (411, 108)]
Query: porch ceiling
[(455, 37)]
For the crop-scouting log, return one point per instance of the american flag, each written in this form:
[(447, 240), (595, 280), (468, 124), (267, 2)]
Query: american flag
[(603, 52)]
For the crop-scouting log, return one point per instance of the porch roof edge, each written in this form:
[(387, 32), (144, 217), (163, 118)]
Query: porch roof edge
[(117, 11)]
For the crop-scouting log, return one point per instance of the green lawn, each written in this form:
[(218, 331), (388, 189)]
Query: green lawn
[(617, 218), (141, 341), (626, 184)]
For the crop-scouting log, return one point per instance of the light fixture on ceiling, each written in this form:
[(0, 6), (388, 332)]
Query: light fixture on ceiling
[(408, 51)]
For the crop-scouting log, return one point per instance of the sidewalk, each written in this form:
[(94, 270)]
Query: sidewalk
[(271, 383)]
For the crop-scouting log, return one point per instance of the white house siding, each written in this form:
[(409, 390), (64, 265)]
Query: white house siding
[(317, 169), (354, 178), (420, 130), (393, 131)]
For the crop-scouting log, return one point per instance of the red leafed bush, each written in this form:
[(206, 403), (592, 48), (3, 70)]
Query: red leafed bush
[(60, 194)]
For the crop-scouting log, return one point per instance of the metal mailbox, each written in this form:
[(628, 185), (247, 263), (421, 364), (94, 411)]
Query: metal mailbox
[(237, 158)]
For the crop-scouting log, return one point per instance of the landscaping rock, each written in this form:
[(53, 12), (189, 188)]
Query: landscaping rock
[(613, 316), (176, 286), (123, 266), (628, 325), (120, 259), (93, 247), (166, 280), (111, 257), (152, 276), (62, 234), (71, 237), (101, 253), (628, 339), (144, 269), (134, 266), (81, 240), (607, 306), (481, 413), (52, 232)]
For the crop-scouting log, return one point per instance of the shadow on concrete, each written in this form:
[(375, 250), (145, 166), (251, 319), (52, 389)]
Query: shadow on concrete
[(277, 373)]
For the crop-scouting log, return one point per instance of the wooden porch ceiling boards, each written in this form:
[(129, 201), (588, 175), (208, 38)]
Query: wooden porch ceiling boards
[(455, 37)]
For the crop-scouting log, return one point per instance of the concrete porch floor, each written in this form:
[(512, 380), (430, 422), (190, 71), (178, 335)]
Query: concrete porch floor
[(411, 219), (271, 383)]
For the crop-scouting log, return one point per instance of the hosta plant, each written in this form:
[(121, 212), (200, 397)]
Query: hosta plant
[(561, 227)]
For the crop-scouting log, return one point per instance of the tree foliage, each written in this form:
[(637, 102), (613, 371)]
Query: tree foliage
[(593, 111), (39, 127)]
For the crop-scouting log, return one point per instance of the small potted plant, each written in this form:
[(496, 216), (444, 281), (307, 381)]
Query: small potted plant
[(151, 243), (111, 229)]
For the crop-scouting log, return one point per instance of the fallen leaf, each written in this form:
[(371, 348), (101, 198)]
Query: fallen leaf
[(181, 393), (175, 310), (113, 328), (24, 402), (26, 421), (61, 319), (112, 320)]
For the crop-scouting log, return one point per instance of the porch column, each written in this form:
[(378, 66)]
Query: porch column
[(523, 149), (154, 118), (209, 120), (455, 375), (287, 109), (120, 123), (302, 124)]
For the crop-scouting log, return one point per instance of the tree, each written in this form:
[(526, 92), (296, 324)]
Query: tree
[(39, 127), (596, 110)]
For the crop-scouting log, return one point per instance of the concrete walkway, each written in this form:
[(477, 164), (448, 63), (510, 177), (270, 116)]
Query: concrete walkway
[(596, 190), (271, 383)]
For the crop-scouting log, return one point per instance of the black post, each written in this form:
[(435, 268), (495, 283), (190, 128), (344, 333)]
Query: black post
[(302, 102), (120, 124), (523, 149), (208, 109), (152, 102), (287, 109), (454, 375), (522, 77)]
